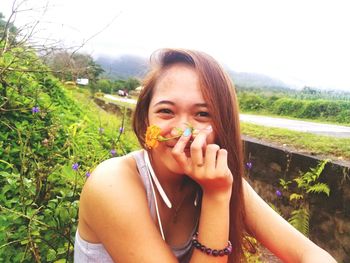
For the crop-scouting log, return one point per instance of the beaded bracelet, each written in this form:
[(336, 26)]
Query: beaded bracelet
[(212, 252)]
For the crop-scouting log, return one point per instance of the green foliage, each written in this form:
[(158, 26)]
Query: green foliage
[(45, 130), (305, 184), (7, 29), (315, 108), (251, 102), (287, 106), (110, 86), (131, 84), (300, 220), (251, 250)]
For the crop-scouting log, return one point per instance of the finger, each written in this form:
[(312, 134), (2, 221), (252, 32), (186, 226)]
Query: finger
[(198, 145), (211, 153), (179, 148), (221, 162)]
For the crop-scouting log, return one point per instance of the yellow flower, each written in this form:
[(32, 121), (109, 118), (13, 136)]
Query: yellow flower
[(152, 136)]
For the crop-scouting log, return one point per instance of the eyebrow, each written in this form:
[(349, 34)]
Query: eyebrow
[(173, 104)]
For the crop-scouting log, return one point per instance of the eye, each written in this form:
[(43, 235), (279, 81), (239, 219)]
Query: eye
[(203, 114), (165, 111)]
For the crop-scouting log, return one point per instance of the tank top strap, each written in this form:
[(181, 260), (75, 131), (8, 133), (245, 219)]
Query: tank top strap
[(143, 171)]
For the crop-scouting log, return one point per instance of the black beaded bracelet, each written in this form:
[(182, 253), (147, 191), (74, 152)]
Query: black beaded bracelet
[(211, 252)]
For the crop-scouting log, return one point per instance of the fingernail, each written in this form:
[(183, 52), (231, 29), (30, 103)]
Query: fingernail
[(209, 128), (187, 132)]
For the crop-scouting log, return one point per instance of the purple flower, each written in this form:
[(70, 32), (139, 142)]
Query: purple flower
[(35, 109), (113, 152), (87, 174), (101, 130), (75, 166), (249, 165), (121, 129), (278, 193)]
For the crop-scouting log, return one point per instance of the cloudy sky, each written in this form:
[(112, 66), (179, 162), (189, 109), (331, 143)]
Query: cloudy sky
[(304, 42)]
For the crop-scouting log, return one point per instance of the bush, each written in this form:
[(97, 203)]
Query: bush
[(49, 141), (251, 102), (287, 106)]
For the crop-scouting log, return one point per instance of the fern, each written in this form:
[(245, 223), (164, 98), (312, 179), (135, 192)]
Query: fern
[(284, 183), (301, 182), (319, 188), (314, 173), (295, 196), (300, 220), (318, 170)]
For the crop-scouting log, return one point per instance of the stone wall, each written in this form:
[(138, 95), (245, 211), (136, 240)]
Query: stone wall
[(329, 216), (112, 107)]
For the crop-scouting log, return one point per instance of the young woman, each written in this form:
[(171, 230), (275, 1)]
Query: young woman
[(182, 198)]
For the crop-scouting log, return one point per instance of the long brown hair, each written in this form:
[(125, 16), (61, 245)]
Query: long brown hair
[(219, 93)]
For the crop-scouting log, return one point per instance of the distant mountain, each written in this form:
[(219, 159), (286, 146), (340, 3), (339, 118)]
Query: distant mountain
[(127, 66), (255, 80), (123, 67)]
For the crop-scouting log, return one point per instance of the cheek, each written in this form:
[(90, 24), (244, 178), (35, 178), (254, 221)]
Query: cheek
[(211, 138), (165, 125)]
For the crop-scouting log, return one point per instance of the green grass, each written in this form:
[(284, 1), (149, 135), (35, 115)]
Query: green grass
[(108, 121), (325, 146)]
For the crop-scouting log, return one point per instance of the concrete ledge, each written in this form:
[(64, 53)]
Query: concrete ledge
[(330, 216)]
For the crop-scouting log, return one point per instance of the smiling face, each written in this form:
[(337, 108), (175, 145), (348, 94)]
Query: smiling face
[(177, 102)]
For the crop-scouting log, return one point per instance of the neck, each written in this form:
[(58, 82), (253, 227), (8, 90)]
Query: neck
[(176, 186)]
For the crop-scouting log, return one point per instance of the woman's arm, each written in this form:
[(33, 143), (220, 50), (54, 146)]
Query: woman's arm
[(114, 206), (277, 234), (207, 165)]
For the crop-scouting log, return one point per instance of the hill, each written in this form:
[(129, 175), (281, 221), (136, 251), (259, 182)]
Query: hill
[(255, 80), (126, 66)]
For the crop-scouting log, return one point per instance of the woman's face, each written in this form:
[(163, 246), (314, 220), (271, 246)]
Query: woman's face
[(177, 102)]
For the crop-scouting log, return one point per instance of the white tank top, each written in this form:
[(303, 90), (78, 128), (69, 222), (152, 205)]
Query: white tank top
[(93, 253)]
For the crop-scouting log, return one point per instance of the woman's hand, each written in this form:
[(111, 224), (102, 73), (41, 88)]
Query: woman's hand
[(207, 163)]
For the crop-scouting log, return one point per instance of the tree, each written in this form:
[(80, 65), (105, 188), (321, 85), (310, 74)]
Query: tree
[(68, 66), (131, 84)]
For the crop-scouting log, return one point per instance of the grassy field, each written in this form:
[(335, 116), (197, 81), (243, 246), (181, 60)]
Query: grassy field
[(324, 146)]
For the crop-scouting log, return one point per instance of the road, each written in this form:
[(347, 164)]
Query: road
[(122, 99), (296, 125)]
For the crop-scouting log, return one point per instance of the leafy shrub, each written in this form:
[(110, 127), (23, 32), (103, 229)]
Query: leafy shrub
[(287, 106), (50, 140), (299, 197), (251, 102)]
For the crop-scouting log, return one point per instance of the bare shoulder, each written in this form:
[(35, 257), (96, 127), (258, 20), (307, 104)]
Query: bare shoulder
[(114, 211), (113, 171), (114, 184)]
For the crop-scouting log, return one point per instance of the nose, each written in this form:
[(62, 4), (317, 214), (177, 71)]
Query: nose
[(180, 125)]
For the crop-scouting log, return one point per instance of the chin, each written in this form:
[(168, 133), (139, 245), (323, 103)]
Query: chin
[(165, 157)]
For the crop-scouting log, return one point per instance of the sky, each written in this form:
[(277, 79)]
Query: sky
[(302, 42)]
